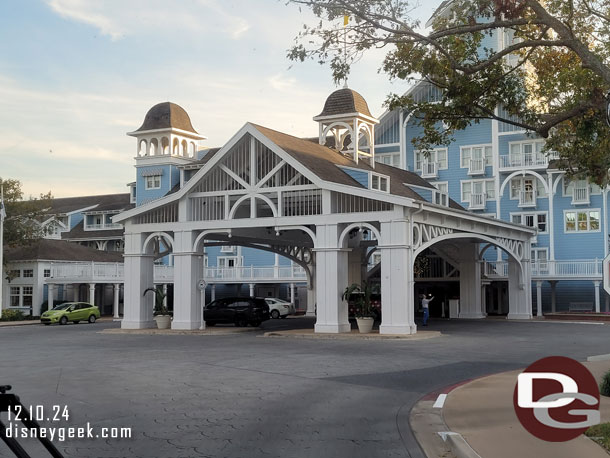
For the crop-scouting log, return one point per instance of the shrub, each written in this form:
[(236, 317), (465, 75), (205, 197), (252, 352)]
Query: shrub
[(604, 386), (12, 315)]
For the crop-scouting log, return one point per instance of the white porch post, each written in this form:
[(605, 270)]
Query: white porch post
[(117, 287), (470, 282), (251, 286), (311, 300), (397, 281), (213, 294), (597, 283), (292, 293), (538, 298), (553, 284), (519, 289), (92, 293), (187, 271), (50, 294), (138, 309), (331, 281)]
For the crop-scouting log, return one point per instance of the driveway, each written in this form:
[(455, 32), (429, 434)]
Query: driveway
[(243, 395)]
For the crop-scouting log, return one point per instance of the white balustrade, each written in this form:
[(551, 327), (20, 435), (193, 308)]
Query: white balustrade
[(429, 169), (551, 269), (477, 201), (581, 195), (527, 198), (476, 167)]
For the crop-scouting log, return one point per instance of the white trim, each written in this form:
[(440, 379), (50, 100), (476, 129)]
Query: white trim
[(380, 176), (147, 186), (535, 214), (482, 145), (584, 210), (429, 159), (472, 180)]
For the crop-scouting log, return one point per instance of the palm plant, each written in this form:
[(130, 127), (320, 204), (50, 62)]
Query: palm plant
[(363, 301), (160, 308)]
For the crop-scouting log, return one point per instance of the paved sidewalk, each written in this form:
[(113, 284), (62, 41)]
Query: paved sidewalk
[(103, 319), (482, 412)]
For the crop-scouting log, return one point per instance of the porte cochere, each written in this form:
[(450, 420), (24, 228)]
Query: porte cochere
[(326, 208)]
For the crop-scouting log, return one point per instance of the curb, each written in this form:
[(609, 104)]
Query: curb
[(351, 336), (458, 445)]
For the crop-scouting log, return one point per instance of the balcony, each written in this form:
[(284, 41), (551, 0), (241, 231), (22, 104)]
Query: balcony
[(580, 195), (101, 227), (527, 198), (476, 167), (525, 160), (585, 269), (477, 201), (429, 169)]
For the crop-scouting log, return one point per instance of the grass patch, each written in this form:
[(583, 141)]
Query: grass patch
[(600, 434)]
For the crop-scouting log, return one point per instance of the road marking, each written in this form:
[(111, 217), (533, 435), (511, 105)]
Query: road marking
[(440, 401)]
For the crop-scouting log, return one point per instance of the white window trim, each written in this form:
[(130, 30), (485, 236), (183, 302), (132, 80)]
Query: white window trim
[(239, 261), (150, 188), (541, 249), (522, 187), (227, 249), (482, 145), (380, 176), (436, 183), (576, 231), (535, 214), (417, 151), (487, 198), (21, 295), (380, 156)]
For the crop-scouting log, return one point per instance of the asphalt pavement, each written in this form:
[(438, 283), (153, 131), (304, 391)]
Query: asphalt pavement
[(244, 395)]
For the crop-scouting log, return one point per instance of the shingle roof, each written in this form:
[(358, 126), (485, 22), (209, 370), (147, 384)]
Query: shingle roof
[(323, 162), (107, 202), (59, 250), (78, 232), (345, 101), (166, 115)]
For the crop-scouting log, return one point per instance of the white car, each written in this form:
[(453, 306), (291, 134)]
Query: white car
[(279, 308)]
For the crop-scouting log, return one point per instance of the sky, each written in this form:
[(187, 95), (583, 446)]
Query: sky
[(76, 75)]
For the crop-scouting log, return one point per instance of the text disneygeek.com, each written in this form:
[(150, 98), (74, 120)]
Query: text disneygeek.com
[(61, 433)]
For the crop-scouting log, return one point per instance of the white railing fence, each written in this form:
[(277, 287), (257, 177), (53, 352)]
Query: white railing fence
[(527, 198), (574, 269), (477, 201), (581, 195), (429, 169), (526, 160), (476, 166)]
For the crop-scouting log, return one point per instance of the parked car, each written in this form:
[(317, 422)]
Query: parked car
[(279, 308), (71, 311), (240, 311)]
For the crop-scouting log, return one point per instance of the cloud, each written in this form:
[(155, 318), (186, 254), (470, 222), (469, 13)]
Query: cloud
[(120, 18)]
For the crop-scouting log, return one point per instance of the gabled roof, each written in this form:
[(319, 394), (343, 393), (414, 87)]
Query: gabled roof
[(64, 205), (59, 250)]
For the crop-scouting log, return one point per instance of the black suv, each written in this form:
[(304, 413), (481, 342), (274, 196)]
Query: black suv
[(238, 310)]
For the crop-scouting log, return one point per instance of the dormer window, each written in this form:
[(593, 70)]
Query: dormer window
[(379, 182), (153, 182)]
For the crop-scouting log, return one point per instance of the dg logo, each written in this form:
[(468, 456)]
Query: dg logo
[(556, 399)]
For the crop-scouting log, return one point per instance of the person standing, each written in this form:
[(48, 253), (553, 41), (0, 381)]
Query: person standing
[(425, 303)]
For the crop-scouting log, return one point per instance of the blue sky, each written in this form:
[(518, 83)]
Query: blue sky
[(76, 75)]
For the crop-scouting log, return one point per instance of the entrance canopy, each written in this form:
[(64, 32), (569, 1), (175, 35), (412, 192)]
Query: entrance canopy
[(317, 206)]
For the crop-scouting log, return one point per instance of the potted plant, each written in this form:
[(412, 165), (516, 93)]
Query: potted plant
[(160, 313), (365, 316)]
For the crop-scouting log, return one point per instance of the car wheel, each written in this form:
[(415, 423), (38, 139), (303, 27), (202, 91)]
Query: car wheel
[(76, 322), (241, 323), (92, 319), (63, 320), (255, 324), (275, 314)]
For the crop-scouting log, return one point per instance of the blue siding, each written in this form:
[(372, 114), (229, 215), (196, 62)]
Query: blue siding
[(75, 220), (358, 175), (169, 178)]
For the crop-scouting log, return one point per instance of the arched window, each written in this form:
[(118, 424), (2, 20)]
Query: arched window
[(165, 145), (191, 149), (184, 148), (143, 150), (154, 147), (175, 147)]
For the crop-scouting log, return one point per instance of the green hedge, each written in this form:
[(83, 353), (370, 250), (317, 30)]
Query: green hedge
[(12, 315)]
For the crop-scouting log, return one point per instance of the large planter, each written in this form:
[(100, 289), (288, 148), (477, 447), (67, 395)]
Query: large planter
[(365, 324), (163, 321)]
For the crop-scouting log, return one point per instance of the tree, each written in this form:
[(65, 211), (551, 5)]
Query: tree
[(551, 78), (22, 224)]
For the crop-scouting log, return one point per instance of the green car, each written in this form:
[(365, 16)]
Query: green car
[(71, 311)]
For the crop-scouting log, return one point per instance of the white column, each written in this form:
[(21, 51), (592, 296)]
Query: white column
[(92, 293), (292, 293), (213, 295), (331, 281), (519, 289), (251, 285), (276, 266), (397, 281), (50, 294), (470, 281), (311, 301), (138, 309), (483, 298), (550, 223), (117, 287), (553, 296), (597, 283), (538, 298), (187, 272), (165, 295)]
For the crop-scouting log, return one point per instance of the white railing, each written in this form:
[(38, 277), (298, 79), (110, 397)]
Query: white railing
[(581, 195), (429, 169), (99, 227), (572, 269), (476, 166), (525, 160), (477, 201), (114, 271), (527, 198)]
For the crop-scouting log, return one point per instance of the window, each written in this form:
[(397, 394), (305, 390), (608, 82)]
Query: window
[(153, 182), (27, 295), (436, 155), (28, 273), (379, 182), (581, 221), (478, 187), (440, 198), (15, 296), (392, 159), (442, 186), (47, 273), (537, 220), (14, 273), (527, 153), (227, 249), (475, 152), (569, 185), (529, 185)]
